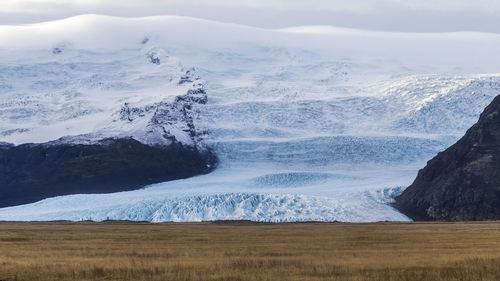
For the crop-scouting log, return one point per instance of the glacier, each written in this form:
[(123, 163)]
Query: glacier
[(309, 123)]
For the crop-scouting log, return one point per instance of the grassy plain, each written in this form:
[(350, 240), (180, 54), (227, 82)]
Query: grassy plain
[(250, 251)]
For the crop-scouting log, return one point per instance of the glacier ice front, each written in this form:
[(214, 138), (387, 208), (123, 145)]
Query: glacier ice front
[(306, 126)]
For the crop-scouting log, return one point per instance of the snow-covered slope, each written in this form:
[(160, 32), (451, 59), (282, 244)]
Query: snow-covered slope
[(309, 123), (63, 91)]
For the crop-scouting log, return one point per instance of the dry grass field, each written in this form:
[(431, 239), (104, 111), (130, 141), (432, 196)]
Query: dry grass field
[(249, 251)]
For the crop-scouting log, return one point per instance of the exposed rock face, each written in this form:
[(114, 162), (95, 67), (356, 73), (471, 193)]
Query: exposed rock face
[(31, 172), (163, 122), (463, 182)]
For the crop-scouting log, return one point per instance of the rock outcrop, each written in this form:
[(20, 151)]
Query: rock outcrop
[(31, 172), (463, 182)]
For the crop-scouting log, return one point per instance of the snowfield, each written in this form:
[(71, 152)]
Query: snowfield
[(310, 123)]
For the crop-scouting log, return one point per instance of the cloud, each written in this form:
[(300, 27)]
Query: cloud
[(391, 15), (155, 6), (450, 5)]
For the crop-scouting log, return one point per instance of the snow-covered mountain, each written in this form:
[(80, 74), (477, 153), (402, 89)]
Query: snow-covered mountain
[(85, 96), (309, 123)]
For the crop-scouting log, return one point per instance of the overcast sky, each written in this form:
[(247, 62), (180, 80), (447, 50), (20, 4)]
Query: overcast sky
[(388, 15)]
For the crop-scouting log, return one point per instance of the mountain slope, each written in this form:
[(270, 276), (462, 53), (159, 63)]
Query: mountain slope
[(462, 182), (97, 121), (306, 124)]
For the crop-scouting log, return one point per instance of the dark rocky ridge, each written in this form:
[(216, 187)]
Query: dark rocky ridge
[(31, 172), (463, 182)]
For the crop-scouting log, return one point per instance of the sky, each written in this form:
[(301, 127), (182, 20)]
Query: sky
[(386, 15)]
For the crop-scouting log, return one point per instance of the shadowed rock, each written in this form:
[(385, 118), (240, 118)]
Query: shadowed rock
[(31, 172), (463, 182)]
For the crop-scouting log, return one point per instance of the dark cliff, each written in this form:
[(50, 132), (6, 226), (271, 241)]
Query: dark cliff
[(31, 172), (463, 182)]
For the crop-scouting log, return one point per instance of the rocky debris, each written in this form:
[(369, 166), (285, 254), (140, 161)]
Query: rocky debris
[(463, 182), (154, 57), (167, 121), (13, 131), (198, 96), (188, 77), (56, 51), (32, 172)]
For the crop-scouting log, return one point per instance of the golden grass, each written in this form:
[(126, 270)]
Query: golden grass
[(247, 251)]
